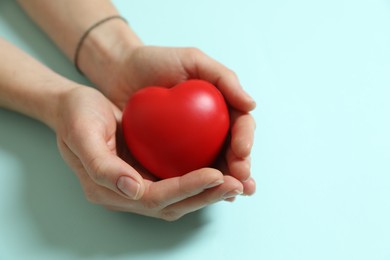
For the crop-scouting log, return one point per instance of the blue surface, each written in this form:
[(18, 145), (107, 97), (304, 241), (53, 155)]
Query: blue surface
[(320, 72)]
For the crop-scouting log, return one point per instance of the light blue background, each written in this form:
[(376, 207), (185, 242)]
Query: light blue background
[(319, 71)]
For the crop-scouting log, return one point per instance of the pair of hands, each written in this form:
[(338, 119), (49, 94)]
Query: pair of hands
[(90, 140)]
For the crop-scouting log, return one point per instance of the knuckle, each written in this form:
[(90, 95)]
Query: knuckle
[(152, 204), (194, 52), (170, 215), (91, 196), (96, 170), (232, 74)]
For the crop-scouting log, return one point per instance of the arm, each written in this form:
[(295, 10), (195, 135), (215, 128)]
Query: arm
[(66, 21), (28, 87)]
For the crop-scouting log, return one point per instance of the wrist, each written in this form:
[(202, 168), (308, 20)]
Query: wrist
[(51, 105), (104, 49)]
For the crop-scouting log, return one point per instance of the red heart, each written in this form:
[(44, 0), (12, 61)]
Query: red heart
[(177, 130)]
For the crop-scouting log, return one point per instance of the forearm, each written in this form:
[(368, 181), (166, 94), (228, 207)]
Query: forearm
[(66, 21), (28, 87)]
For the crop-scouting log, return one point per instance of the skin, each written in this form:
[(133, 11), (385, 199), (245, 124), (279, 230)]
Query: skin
[(86, 120)]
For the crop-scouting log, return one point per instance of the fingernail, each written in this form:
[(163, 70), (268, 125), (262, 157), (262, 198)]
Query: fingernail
[(213, 184), (231, 194), (128, 186)]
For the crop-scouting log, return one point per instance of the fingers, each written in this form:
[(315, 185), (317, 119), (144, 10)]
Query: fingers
[(169, 191), (105, 175), (228, 190), (242, 124), (105, 168), (238, 153), (199, 65), (172, 198), (110, 171), (183, 195), (240, 168), (249, 187), (242, 131)]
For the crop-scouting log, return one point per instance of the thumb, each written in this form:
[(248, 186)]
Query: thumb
[(112, 172), (107, 169)]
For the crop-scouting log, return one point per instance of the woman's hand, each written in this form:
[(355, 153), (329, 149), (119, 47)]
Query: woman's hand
[(159, 66), (93, 147)]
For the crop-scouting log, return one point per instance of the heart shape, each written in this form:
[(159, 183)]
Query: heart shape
[(172, 131)]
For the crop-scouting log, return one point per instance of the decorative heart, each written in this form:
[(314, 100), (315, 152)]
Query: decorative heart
[(172, 131)]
